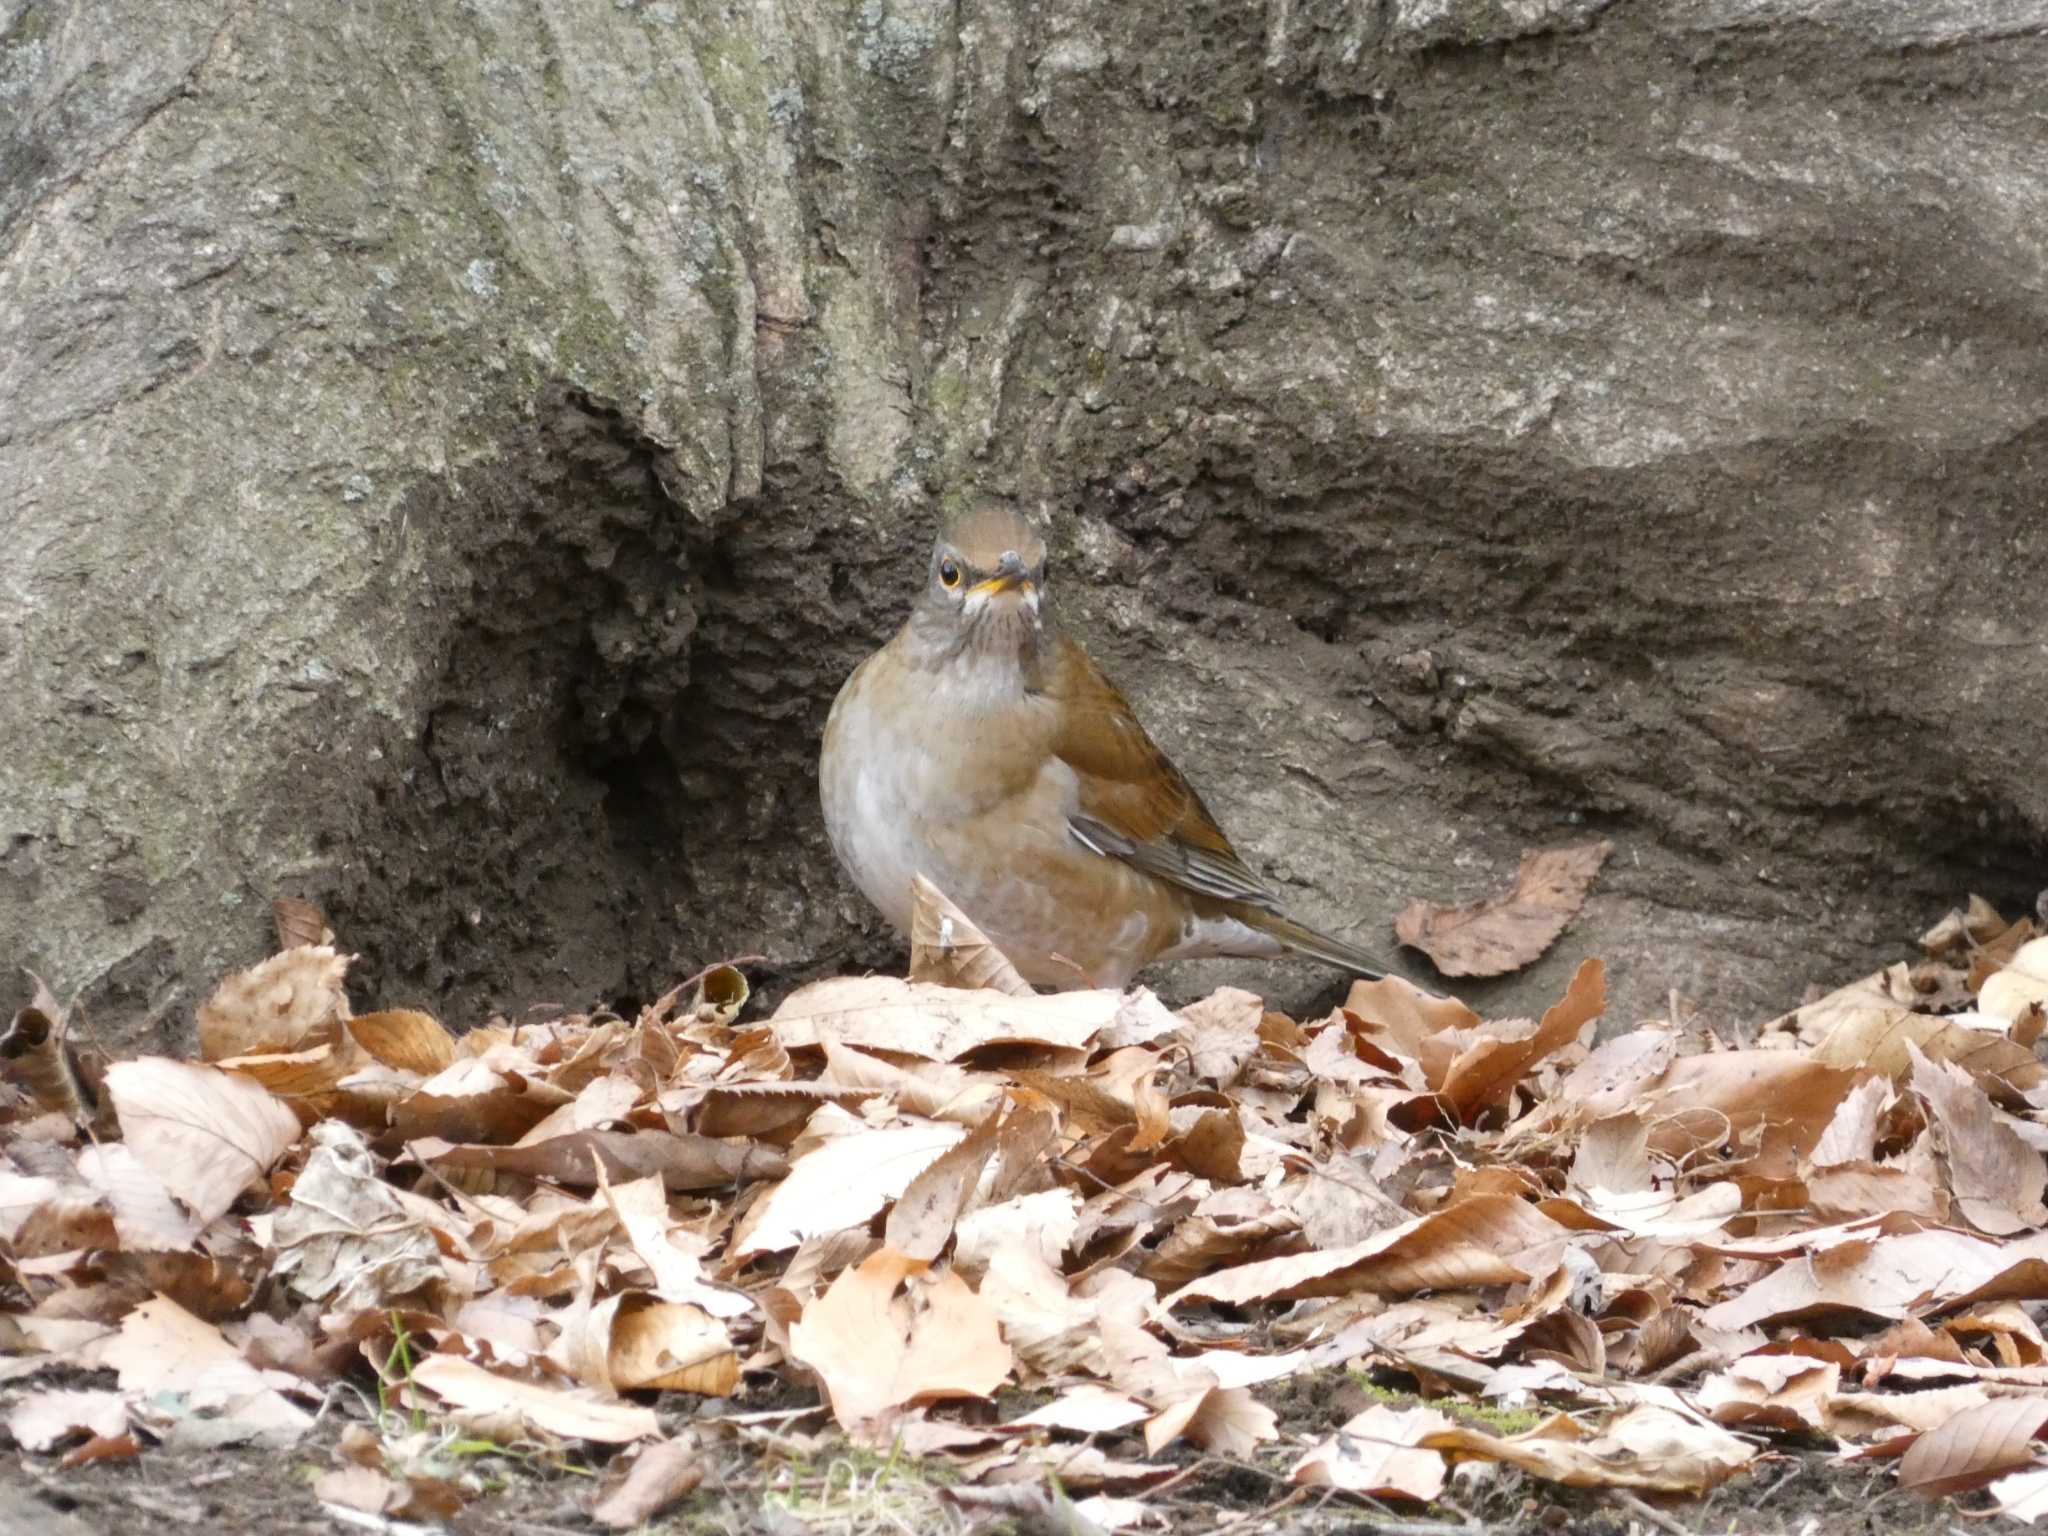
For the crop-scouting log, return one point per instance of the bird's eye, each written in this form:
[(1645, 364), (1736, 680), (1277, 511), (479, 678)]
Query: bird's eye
[(949, 573)]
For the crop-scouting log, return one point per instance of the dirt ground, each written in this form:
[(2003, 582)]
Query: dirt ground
[(1791, 1492)]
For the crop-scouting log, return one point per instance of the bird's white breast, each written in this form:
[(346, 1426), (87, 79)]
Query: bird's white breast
[(900, 777)]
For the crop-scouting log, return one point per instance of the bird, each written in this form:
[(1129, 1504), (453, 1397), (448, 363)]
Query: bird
[(985, 750)]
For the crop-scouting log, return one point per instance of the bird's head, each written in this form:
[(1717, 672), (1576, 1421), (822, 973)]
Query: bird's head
[(983, 589)]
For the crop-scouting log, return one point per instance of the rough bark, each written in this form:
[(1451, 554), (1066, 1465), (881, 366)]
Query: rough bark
[(450, 454)]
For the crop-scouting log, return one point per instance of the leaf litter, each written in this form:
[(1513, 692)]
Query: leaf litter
[(1056, 1242)]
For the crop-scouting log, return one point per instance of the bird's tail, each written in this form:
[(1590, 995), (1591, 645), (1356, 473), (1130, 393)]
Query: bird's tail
[(1301, 939)]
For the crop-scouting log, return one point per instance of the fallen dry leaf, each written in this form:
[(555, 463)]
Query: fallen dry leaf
[(1377, 1453), (299, 923), (1997, 1178), (1505, 933), (923, 1216), (659, 1475), (1488, 1240), (205, 1133), (163, 1353), (2022, 985), (939, 1023), (283, 1004), (1649, 1447), (1483, 1075), (583, 1157), (1975, 1446), (40, 1420), (37, 1051), (345, 1237), (947, 950), (2023, 1495), (493, 1401), (877, 1348), (921, 1194), (844, 1182)]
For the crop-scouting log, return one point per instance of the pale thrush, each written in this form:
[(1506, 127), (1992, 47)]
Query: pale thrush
[(986, 751)]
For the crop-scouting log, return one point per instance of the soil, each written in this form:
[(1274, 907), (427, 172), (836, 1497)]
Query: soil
[(1794, 1492)]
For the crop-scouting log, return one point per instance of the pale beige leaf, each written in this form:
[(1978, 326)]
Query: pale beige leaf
[(922, 1218), (876, 1348), (162, 1347), (1416, 1023), (1032, 1509), (1053, 1331), (936, 1090), (1334, 1203), (311, 1082), (1975, 1446), (1141, 1019), (2023, 1496), (345, 1237), (1649, 1447), (583, 1157), (845, 1182), (1505, 933), (571, 1413), (471, 1101), (642, 1209), (362, 1488), (207, 1134), (1612, 1159), (1851, 1134), (672, 1348), (660, 1474), (2022, 985), (1228, 1225), (163, 1352), (1084, 1410), (1487, 1240), (1611, 1080), (281, 1005), (1875, 1415), (1997, 1178), (1791, 1393), (1220, 1033), (1231, 1422), (1042, 1224), (1890, 1277), (146, 1217), (1848, 1190), (947, 950), (41, 1419), (939, 1023), (1871, 1023), (1117, 1514), (1770, 1101), (1376, 1454)]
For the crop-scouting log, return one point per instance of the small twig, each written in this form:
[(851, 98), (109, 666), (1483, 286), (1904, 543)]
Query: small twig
[(1180, 1477), (1648, 1513)]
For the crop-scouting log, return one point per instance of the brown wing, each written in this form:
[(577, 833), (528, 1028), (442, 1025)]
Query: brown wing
[(1135, 806)]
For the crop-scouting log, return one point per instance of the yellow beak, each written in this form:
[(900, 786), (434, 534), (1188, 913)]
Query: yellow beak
[(1010, 576)]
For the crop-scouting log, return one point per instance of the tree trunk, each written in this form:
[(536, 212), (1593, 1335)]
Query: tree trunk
[(451, 453)]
